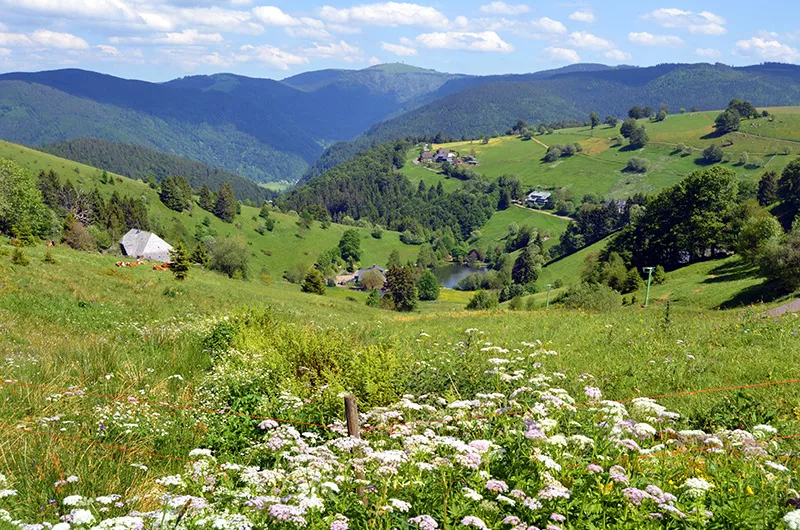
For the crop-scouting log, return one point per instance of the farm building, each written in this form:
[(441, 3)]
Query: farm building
[(538, 198), (361, 272), (147, 245)]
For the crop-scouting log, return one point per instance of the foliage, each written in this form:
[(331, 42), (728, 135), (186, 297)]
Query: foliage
[(21, 201), (76, 235), (225, 208), (401, 288), (638, 137), (727, 122), (428, 286), (789, 184), (483, 300), (230, 256), (768, 188), (758, 232), (350, 246), (781, 262), (527, 265), (137, 162), (206, 199), (176, 193), (637, 165), (200, 254), (313, 282), (713, 154), (180, 263), (18, 257), (590, 297), (372, 280)]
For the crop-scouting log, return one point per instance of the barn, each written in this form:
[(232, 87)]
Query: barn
[(146, 245)]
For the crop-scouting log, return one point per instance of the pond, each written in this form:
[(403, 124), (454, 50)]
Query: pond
[(450, 275)]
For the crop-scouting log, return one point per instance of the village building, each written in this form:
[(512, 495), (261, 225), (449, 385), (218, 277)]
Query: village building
[(361, 272), (538, 198), (145, 245)]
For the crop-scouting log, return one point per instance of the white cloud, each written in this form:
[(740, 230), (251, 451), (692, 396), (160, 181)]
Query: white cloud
[(399, 49), (708, 52), (648, 39), (374, 60), (274, 16), (582, 15), (62, 41), (107, 50), (218, 18), (705, 22), (618, 55), (562, 54), (548, 25), (95, 9), (343, 29), (386, 14), (305, 32), (271, 55), (582, 39), (187, 37), (340, 51), (767, 50), (486, 41), (502, 8), (14, 39), (4, 52)]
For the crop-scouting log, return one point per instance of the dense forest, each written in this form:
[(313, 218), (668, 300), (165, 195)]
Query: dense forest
[(139, 163)]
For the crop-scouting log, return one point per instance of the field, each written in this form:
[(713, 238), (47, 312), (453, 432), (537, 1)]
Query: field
[(598, 169), (92, 354)]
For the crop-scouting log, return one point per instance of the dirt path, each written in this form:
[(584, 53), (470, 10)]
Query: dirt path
[(544, 213), (540, 142), (791, 307)]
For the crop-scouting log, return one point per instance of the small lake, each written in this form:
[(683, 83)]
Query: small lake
[(450, 275)]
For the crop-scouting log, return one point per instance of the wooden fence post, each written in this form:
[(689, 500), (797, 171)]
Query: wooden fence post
[(354, 431)]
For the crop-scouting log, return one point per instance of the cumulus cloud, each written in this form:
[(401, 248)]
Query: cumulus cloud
[(271, 56), (618, 55), (93, 9), (46, 39), (708, 52), (542, 28), (14, 39), (705, 22), (766, 50), (399, 49), (548, 25), (274, 16), (648, 39), (562, 54), (386, 14), (486, 41), (336, 50), (502, 8), (582, 15), (582, 39)]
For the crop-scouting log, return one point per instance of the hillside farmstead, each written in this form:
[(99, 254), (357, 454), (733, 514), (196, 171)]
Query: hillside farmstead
[(146, 245), (538, 198)]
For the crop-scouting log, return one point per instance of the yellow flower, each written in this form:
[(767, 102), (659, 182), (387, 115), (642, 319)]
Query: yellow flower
[(749, 490)]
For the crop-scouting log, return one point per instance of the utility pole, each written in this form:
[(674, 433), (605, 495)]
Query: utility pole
[(649, 271), (547, 304)]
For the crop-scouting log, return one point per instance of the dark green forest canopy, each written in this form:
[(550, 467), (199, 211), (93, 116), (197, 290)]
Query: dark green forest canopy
[(139, 162)]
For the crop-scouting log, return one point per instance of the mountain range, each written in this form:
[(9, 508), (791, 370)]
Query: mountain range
[(268, 130)]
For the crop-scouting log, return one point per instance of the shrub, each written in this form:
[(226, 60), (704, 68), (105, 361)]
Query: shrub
[(713, 154), (659, 275), (638, 165), (296, 273), (314, 283), (591, 297), (374, 298), (517, 303), (377, 232), (48, 257), (18, 257), (77, 236), (428, 286), (483, 300), (229, 255)]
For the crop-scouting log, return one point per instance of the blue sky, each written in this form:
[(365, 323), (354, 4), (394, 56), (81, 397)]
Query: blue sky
[(162, 39)]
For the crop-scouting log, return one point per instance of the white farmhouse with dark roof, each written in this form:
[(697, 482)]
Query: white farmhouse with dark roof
[(538, 198)]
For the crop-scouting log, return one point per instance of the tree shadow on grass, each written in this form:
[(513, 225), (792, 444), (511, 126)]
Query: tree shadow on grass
[(731, 271), (629, 148), (763, 293), (713, 135)]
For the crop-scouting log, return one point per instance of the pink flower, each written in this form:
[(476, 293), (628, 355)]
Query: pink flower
[(593, 469), (496, 486), (424, 522), (471, 520), (557, 517)]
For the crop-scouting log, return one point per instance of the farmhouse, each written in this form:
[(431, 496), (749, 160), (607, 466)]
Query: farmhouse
[(443, 155), (538, 198), (361, 272), (147, 245)]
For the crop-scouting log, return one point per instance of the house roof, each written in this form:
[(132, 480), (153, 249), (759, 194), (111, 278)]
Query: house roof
[(539, 195), (372, 267), (139, 243)]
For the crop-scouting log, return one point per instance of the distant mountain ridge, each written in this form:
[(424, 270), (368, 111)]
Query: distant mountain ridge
[(269, 130)]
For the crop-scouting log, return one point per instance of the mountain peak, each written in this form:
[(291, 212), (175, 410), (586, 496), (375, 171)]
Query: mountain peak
[(400, 68)]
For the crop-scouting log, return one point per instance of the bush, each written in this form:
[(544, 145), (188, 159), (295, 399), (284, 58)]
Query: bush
[(517, 303), (48, 257), (713, 154), (483, 300), (18, 257), (296, 273), (591, 297), (374, 298), (659, 275), (313, 283), (229, 255), (637, 165), (77, 236), (428, 286)]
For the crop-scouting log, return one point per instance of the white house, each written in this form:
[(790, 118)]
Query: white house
[(538, 198), (147, 245)]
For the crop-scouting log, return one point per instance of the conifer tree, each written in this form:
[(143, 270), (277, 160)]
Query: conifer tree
[(200, 255), (225, 207), (206, 198), (401, 288), (180, 261), (314, 282)]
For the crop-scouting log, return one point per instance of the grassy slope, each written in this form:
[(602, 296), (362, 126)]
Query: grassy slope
[(286, 244), (599, 168)]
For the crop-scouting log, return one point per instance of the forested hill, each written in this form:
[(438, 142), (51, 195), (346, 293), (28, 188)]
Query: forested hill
[(138, 163), (263, 129), (493, 107)]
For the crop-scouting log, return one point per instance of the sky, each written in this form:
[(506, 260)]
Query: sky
[(157, 40)]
